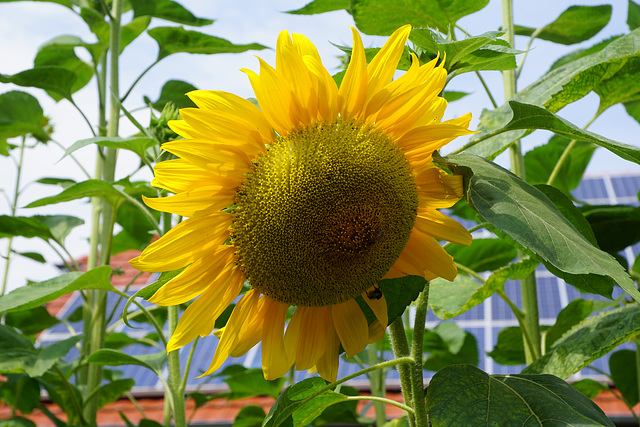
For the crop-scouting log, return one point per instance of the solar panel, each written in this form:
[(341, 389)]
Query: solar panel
[(483, 321)]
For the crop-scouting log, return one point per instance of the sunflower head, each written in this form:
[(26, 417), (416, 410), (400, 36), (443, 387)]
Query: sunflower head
[(312, 199)]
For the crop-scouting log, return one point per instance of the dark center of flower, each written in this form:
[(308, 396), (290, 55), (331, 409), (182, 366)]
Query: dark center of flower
[(324, 214)]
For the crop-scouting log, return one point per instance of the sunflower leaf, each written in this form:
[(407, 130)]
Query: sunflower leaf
[(587, 341), (62, 54), (135, 144), (291, 409), (565, 84), (321, 6), (35, 295), (176, 39), (527, 216), (109, 357), (21, 114), (382, 17), (53, 79), (574, 25), (624, 373), (89, 188), (401, 292), (464, 395), (168, 10)]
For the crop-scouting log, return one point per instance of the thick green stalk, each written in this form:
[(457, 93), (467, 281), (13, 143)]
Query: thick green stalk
[(376, 379), (14, 207), (401, 349), (527, 285), (417, 381), (175, 377), (98, 319)]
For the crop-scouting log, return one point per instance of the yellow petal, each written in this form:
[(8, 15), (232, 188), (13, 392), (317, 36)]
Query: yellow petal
[(205, 271), (442, 227), (198, 202), (308, 339), (184, 243), (275, 360), (384, 64), (238, 319), (228, 103), (250, 335), (351, 326), (429, 255), (376, 331), (179, 175), (327, 365), (353, 89), (378, 306), (437, 189), (200, 317), (218, 159)]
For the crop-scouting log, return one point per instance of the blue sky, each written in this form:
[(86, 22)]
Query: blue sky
[(24, 26)]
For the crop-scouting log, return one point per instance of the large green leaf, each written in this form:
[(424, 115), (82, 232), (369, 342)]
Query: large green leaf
[(249, 416), (527, 216), (65, 3), (168, 10), (483, 254), (567, 82), (633, 15), (176, 39), (527, 116), (89, 188), (59, 225), (464, 395), (624, 373), (37, 294), (447, 344), (382, 17), (136, 144), (30, 321), (321, 6), (615, 227), (51, 78), (509, 348), (245, 383), (21, 114), (448, 300), (484, 52), (114, 390), (574, 25), (587, 341), (400, 292), (540, 162), (23, 226), (574, 313), (290, 410), (174, 91), (61, 54), (620, 87)]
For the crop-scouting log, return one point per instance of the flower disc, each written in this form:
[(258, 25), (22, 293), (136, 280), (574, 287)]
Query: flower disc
[(324, 214)]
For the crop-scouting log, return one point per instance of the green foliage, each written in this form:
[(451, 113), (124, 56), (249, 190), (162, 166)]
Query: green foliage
[(478, 53), (175, 39), (464, 395), (589, 387), (321, 6), (587, 341), (245, 382), (249, 416), (624, 373), (173, 91), (484, 254), (615, 227), (21, 114), (55, 80), (382, 17), (399, 293), (447, 344), (574, 25), (527, 216), (31, 321), (168, 10)]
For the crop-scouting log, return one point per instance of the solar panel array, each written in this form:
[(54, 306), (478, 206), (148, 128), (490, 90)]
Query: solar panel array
[(483, 321)]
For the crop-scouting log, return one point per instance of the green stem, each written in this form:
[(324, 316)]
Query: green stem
[(417, 386), (526, 51), (98, 317), (401, 349), (478, 141), (637, 374), (377, 386), (77, 162), (565, 154), (528, 286), (469, 271), (175, 379), (137, 80), (486, 89), (187, 367), (14, 208), (382, 401)]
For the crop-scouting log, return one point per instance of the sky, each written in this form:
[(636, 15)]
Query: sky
[(24, 26)]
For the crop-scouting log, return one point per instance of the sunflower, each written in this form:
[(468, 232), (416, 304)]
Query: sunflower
[(312, 199)]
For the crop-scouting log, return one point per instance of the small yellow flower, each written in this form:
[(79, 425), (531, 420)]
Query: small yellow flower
[(312, 199)]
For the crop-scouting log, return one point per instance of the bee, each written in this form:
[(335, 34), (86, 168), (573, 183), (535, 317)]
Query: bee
[(375, 293)]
